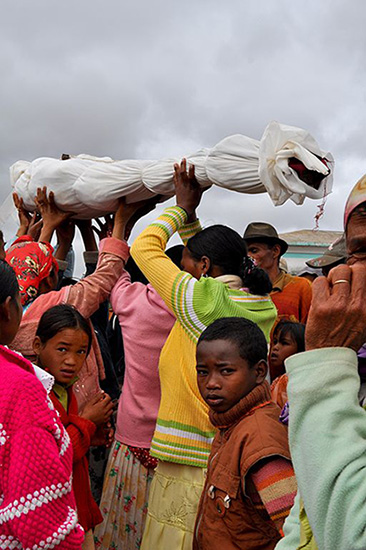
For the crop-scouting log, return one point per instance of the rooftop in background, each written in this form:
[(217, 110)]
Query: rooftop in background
[(311, 237), (305, 245)]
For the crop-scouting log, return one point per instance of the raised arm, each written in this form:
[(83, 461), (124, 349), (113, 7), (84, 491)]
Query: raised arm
[(148, 250), (52, 216), (90, 292)]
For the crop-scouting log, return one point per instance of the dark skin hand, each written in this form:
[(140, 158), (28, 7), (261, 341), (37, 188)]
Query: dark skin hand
[(128, 214), (35, 226), (99, 409), (52, 216), (139, 209), (23, 215), (29, 224), (337, 317), (187, 189)]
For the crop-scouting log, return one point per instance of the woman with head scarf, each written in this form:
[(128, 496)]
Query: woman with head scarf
[(35, 266), (36, 271)]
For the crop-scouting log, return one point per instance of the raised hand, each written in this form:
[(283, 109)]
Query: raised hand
[(187, 189), (65, 235), (128, 214), (52, 215), (23, 215), (35, 226), (138, 210)]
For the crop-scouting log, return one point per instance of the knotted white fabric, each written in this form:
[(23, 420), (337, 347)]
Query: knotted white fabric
[(90, 186)]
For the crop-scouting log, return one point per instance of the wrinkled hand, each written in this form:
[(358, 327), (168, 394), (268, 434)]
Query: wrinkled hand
[(337, 317), (187, 189), (52, 215)]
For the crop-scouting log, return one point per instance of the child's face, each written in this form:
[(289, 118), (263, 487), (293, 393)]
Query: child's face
[(63, 355), (223, 376), (283, 346)]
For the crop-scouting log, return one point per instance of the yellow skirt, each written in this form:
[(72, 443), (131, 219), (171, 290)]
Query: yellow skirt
[(173, 501)]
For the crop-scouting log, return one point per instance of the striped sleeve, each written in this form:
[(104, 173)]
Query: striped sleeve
[(148, 251), (273, 488), (189, 230)]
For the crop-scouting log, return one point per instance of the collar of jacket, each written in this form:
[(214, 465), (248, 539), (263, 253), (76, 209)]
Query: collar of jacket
[(281, 281), (258, 397)]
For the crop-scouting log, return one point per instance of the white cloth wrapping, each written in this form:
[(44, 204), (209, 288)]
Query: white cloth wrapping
[(90, 186)]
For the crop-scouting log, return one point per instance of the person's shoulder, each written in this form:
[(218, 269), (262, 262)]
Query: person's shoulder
[(44, 302), (21, 393), (14, 365), (20, 382), (300, 282)]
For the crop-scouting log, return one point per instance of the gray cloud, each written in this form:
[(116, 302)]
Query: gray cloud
[(154, 79)]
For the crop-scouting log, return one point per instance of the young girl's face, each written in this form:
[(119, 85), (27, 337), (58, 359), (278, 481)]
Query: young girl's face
[(62, 355), (283, 346)]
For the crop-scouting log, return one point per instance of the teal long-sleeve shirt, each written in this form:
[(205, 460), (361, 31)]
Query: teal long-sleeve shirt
[(328, 445)]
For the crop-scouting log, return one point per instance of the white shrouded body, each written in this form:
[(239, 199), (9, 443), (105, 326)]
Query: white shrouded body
[(91, 186)]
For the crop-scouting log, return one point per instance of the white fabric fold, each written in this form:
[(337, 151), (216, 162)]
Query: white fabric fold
[(91, 186)]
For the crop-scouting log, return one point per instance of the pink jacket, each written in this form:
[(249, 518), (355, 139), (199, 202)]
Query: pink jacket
[(86, 296), (146, 323), (37, 506)]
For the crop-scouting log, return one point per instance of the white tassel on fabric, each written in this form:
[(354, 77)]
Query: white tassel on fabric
[(90, 186)]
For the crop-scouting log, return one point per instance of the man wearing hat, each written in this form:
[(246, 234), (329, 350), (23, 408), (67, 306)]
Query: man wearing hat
[(291, 295), (335, 254)]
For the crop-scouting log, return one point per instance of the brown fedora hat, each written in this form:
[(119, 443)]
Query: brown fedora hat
[(264, 232)]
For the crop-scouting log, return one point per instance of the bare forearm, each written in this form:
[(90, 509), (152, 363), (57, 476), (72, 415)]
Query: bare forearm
[(46, 233), (88, 237), (62, 250)]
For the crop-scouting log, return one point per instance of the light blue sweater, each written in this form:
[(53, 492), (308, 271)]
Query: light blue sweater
[(328, 445)]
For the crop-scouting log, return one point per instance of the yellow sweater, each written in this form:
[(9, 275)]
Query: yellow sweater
[(183, 431)]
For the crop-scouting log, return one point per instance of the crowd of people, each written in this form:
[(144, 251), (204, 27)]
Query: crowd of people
[(192, 397)]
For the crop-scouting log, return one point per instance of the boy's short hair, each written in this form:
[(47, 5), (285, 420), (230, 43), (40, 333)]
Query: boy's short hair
[(245, 334)]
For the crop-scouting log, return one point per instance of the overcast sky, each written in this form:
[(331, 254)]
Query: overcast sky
[(150, 79)]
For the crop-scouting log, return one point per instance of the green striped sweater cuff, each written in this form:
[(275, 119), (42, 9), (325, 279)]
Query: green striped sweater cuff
[(189, 230), (171, 220)]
